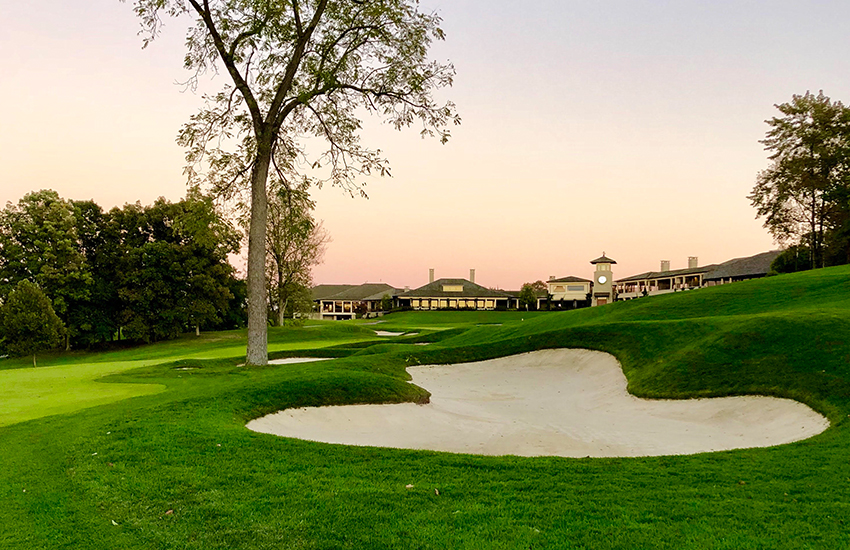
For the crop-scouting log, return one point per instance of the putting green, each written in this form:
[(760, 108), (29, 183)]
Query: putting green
[(26, 394), (29, 393)]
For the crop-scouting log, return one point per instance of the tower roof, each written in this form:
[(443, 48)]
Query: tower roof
[(603, 259)]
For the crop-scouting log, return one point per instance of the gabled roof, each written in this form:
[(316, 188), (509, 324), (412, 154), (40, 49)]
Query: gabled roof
[(752, 266), (470, 290), (363, 293), (569, 279), (320, 292), (603, 259)]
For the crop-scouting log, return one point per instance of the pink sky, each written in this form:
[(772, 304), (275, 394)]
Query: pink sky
[(625, 127)]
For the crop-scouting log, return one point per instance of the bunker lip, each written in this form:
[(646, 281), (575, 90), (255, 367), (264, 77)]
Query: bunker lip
[(565, 402)]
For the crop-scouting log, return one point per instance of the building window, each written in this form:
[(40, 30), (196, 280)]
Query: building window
[(575, 288), (452, 288), (559, 288)]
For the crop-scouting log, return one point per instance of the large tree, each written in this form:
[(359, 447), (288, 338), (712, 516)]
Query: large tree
[(801, 193), (300, 68)]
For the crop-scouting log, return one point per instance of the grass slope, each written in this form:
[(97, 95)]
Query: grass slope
[(177, 469)]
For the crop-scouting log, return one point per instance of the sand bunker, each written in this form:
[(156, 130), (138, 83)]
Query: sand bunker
[(291, 360), (570, 403)]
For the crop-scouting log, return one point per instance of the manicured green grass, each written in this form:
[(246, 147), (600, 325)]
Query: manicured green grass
[(177, 469), (64, 383)]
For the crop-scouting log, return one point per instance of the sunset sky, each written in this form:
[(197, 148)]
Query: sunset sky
[(629, 127)]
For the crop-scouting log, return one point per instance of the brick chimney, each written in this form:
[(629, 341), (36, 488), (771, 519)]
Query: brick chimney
[(431, 275), (693, 262), (665, 265), (471, 275)]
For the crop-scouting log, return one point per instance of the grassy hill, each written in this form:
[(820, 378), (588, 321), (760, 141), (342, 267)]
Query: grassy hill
[(177, 468)]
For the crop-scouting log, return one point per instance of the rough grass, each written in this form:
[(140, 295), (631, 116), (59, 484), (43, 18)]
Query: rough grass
[(177, 469)]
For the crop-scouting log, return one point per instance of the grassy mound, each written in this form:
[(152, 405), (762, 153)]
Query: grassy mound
[(178, 469)]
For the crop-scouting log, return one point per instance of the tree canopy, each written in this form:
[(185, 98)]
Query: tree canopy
[(803, 194), (178, 276), (147, 272), (300, 70), (40, 243), (530, 292)]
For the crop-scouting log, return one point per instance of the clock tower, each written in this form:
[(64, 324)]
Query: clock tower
[(603, 292)]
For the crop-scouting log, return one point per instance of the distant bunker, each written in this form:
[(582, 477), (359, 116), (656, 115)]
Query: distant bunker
[(565, 402)]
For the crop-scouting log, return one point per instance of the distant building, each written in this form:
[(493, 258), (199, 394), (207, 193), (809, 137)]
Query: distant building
[(692, 277), (342, 302), (456, 294), (567, 293), (603, 281), (741, 269)]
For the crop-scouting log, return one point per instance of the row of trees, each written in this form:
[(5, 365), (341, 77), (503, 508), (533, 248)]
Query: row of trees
[(804, 195), (145, 272)]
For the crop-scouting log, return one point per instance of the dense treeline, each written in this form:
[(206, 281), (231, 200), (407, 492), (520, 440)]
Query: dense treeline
[(139, 272)]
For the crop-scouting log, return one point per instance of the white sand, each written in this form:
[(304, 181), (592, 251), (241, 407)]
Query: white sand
[(387, 333), (291, 360), (569, 403)]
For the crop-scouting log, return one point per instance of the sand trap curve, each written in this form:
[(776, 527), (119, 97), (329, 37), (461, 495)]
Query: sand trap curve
[(570, 403)]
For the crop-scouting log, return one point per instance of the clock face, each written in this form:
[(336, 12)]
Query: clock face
[(602, 279)]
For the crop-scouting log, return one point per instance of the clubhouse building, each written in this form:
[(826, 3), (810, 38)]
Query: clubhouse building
[(342, 302), (693, 277), (456, 294)]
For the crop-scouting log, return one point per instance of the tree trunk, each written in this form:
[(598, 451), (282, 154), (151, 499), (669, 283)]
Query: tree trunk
[(813, 238), (281, 302), (33, 360), (257, 352)]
